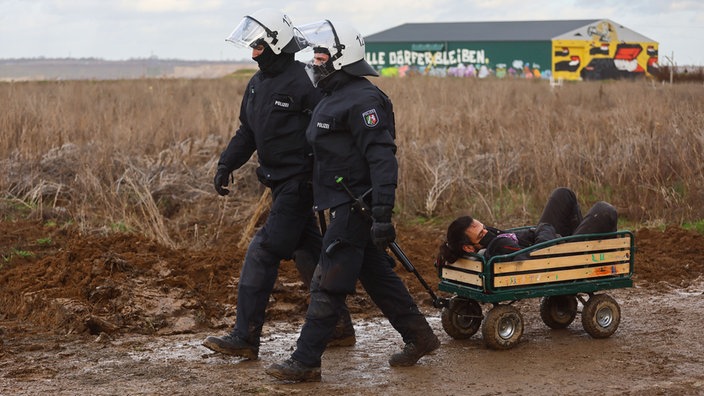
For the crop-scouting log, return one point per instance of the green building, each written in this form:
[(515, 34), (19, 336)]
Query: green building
[(569, 49)]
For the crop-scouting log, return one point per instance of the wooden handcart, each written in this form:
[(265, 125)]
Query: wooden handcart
[(562, 272)]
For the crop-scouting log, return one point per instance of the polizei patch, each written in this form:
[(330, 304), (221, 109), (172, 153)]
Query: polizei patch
[(371, 119)]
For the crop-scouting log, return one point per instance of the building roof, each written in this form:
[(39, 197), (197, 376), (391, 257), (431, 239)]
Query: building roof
[(479, 31)]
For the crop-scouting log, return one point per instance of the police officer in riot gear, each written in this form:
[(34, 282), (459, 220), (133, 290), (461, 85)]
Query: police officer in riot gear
[(352, 134), (274, 114)]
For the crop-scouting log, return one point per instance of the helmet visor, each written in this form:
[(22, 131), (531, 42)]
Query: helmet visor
[(320, 34), (297, 43), (248, 33)]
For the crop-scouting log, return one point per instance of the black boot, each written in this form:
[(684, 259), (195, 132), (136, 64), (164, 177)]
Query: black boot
[(232, 345), (413, 351), (294, 371), (343, 335)]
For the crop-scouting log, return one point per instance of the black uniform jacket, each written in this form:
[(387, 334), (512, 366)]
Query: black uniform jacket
[(274, 114), (352, 132)]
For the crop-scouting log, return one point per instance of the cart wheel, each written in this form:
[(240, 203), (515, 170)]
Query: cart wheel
[(462, 318), (558, 311), (601, 316), (503, 327)]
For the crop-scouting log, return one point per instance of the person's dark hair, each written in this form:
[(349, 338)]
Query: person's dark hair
[(321, 50), (451, 249)]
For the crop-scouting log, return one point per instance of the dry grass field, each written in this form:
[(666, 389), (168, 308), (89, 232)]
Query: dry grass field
[(140, 154)]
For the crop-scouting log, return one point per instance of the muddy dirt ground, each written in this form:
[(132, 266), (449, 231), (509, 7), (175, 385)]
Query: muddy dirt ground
[(94, 314)]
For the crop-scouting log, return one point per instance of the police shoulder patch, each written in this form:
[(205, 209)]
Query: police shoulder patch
[(371, 119)]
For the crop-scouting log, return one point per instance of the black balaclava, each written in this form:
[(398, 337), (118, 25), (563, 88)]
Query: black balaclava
[(324, 84), (491, 234), (272, 64)]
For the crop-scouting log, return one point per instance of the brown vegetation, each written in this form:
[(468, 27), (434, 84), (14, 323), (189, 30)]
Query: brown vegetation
[(680, 74), (140, 154), (506, 145)]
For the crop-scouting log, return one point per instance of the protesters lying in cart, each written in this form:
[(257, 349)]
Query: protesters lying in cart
[(561, 217)]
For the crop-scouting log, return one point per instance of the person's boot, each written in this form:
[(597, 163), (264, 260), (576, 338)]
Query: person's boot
[(294, 371), (413, 351), (232, 345), (343, 335)]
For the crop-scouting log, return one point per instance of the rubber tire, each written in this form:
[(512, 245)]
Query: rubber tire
[(558, 312), (601, 316), (455, 323), (503, 327)]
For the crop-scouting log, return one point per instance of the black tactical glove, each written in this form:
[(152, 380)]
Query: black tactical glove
[(222, 180), (383, 232)]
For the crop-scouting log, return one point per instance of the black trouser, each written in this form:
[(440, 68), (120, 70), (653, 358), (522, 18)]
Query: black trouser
[(562, 211), (354, 256), (290, 231)]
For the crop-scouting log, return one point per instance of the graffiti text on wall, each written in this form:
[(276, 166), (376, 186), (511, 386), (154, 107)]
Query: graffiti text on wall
[(439, 58)]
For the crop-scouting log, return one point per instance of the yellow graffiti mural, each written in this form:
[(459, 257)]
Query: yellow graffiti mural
[(602, 56)]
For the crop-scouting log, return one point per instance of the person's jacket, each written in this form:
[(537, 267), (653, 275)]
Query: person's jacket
[(274, 115), (510, 242), (352, 132)]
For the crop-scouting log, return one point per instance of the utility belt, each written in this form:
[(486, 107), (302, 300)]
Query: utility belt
[(274, 184)]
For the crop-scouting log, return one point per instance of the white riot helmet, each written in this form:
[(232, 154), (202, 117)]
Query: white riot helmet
[(269, 26), (344, 44)]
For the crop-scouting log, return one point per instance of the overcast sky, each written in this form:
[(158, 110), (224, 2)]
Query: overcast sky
[(196, 29)]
